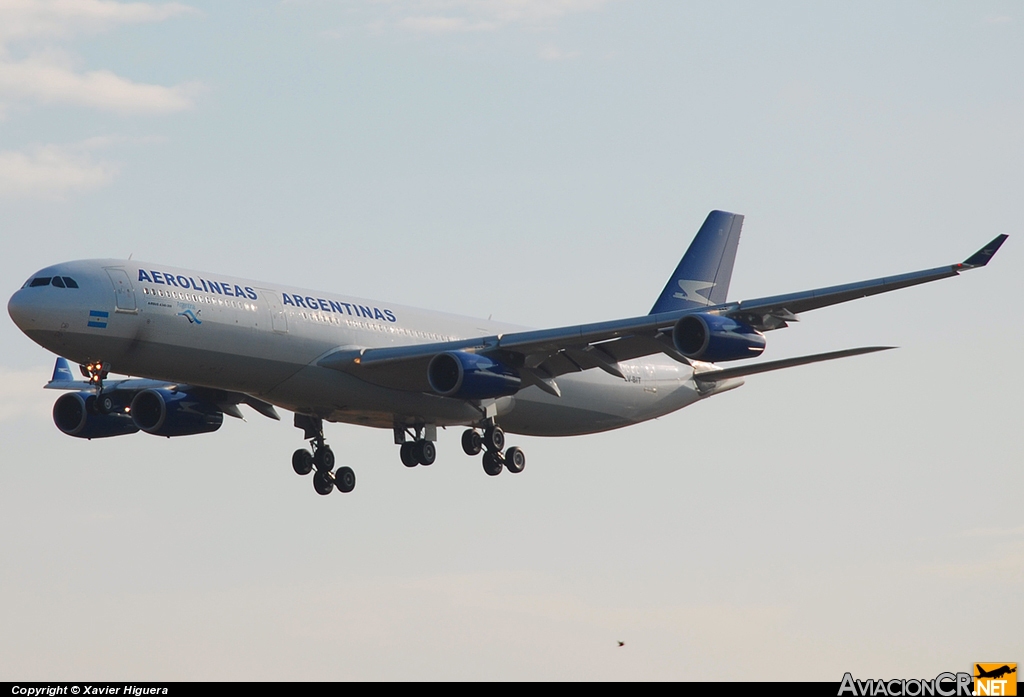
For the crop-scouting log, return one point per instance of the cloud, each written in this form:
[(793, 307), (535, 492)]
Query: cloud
[(997, 19), (437, 25), (101, 89), (27, 19), (21, 393), (1008, 566), (49, 76), (553, 53), (451, 16), (49, 83), (994, 532), (53, 170)]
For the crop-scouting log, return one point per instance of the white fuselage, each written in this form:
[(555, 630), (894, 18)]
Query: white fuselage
[(264, 340)]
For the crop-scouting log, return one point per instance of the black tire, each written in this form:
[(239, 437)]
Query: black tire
[(104, 404), (492, 463), (345, 479), (323, 458), (302, 461), (322, 483), (408, 454), (515, 460), (426, 453), (494, 439), (472, 443)]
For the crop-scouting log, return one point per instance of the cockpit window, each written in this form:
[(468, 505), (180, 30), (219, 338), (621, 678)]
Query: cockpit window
[(69, 282), (40, 281), (58, 281)]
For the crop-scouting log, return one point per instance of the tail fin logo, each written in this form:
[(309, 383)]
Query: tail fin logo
[(995, 679), (62, 371), (691, 291)]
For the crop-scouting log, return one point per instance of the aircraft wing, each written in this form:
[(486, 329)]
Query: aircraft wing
[(542, 355), (773, 312)]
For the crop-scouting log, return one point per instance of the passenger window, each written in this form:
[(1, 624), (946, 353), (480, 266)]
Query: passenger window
[(58, 281), (41, 281), (70, 282)]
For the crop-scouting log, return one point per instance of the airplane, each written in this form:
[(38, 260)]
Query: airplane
[(995, 673), (201, 344)]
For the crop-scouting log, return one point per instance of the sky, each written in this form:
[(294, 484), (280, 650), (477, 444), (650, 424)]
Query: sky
[(544, 162)]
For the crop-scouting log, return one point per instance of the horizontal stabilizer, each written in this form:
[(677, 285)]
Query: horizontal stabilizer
[(740, 371)]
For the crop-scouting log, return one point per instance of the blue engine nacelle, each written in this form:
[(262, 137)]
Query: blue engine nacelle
[(168, 413), (470, 376), (76, 415), (715, 338)]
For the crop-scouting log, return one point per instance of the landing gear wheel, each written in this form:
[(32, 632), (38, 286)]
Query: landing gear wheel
[(345, 479), (105, 404), (408, 454), (492, 463), (425, 453), (515, 460), (323, 483), (494, 439), (323, 458), (472, 443), (302, 461)]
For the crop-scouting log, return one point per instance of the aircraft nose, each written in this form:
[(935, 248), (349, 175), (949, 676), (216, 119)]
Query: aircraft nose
[(21, 311)]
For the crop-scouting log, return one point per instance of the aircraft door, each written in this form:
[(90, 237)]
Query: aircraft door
[(124, 293), (278, 317)]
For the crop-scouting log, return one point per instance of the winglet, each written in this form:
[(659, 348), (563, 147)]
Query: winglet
[(985, 254)]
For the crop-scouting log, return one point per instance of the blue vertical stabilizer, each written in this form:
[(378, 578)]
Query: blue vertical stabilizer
[(702, 277), (62, 371)]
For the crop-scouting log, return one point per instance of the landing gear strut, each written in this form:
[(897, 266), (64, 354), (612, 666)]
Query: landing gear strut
[(96, 372), (322, 459), (493, 442), (421, 449)]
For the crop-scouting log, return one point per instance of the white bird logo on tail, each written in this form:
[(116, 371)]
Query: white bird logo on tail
[(691, 291)]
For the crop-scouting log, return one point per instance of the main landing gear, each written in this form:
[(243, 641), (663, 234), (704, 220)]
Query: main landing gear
[(493, 441), (421, 449), (321, 459)]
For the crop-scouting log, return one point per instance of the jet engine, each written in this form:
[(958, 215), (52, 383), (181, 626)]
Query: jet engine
[(715, 338), (466, 375), (75, 414), (165, 412)]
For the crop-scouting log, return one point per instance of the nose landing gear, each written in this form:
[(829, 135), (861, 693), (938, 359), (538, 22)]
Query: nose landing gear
[(321, 459)]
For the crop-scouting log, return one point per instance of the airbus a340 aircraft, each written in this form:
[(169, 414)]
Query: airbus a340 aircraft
[(201, 344)]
